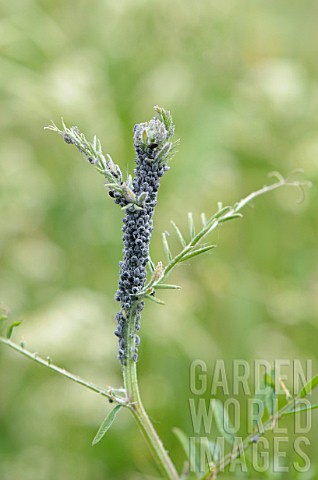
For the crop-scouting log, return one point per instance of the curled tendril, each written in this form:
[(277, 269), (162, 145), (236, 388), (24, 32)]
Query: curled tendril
[(299, 184), (277, 175)]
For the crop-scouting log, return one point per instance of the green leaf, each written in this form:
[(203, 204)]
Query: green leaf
[(219, 213), (212, 220), (270, 402), (179, 234), (266, 395), (151, 265), (301, 409), (309, 387), (183, 440), (203, 219), (197, 252), (166, 247), (111, 185), (127, 206), (155, 299), (166, 286), (230, 217), (185, 444), (269, 379), (269, 398), (223, 421), (142, 198), (11, 328), (215, 451), (144, 136), (107, 423), (191, 225)]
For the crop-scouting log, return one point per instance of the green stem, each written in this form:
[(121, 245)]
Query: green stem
[(248, 441), (115, 395), (160, 455), (219, 217)]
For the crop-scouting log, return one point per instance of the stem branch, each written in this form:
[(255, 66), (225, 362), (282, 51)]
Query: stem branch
[(248, 441), (217, 219), (109, 392)]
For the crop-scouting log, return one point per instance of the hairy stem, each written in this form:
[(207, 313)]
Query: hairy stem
[(109, 392)]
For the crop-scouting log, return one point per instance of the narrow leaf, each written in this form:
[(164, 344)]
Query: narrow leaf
[(107, 423), (197, 252), (191, 225), (155, 299), (11, 328), (230, 217), (223, 422), (301, 409), (110, 185), (269, 379), (127, 206), (166, 286), (270, 397), (215, 451), (179, 234), (129, 182), (166, 247), (183, 440), (203, 219), (270, 402), (142, 197), (142, 293), (191, 449), (151, 265), (219, 214), (265, 396), (309, 387)]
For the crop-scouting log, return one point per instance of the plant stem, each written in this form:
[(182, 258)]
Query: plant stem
[(217, 219), (109, 392), (249, 440), (160, 455)]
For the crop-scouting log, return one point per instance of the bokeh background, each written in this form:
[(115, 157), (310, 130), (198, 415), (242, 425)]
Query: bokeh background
[(241, 79)]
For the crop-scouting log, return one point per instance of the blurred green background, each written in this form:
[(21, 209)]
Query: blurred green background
[(240, 78)]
